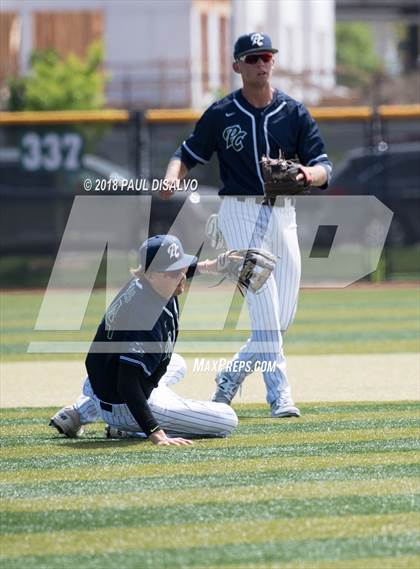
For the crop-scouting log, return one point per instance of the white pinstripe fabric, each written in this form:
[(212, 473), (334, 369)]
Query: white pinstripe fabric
[(174, 414), (247, 224), (86, 406), (175, 372)]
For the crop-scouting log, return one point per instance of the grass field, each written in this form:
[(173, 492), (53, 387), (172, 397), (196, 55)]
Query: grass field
[(337, 488), (353, 320)]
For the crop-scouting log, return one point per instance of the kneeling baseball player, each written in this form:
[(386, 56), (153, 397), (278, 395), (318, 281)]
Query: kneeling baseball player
[(131, 362)]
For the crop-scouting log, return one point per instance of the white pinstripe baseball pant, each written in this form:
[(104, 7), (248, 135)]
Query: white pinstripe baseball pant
[(176, 416), (247, 224)]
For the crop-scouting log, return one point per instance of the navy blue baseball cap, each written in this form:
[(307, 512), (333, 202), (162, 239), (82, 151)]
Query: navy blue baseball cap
[(164, 253), (253, 43)]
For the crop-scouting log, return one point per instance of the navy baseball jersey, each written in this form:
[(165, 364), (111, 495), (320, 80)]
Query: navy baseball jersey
[(138, 315), (241, 133)]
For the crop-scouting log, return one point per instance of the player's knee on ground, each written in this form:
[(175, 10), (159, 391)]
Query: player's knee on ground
[(229, 419), (177, 366)]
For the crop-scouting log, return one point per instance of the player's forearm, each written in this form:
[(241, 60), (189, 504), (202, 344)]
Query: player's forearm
[(217, 266), (175, 172), (207, 267), (135, 396)]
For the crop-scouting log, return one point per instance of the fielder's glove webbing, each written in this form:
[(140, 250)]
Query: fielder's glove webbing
[(280, 177), (249, 269)]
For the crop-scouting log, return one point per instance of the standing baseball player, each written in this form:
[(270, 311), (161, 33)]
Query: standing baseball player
[(133, 350), (247, 125)]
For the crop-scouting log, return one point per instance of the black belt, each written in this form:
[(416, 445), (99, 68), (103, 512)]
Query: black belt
[(105, 406), (273, 202)]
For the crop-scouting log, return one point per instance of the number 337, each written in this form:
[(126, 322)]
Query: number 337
[(51, 151)]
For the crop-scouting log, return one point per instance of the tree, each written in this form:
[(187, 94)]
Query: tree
[(355, 56), (56, 84)]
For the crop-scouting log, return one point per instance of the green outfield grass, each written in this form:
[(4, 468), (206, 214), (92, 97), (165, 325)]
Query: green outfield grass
[(353, 320), (337, 488)]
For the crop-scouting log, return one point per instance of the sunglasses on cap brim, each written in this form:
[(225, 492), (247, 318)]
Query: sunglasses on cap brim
[(252, 58)]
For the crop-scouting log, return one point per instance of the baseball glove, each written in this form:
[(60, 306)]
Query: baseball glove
[(249, 269), (280, 177)]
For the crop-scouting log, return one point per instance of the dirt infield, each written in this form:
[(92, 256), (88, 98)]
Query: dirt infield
[(366, 377)]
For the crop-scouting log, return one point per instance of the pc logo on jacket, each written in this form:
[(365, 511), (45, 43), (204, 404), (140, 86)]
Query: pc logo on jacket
[(233, 136)]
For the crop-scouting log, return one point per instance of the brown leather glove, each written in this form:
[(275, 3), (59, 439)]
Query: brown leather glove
[(280, 177)]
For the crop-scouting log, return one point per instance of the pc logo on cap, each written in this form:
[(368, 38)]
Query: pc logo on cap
[(163, 253), (252, 43)]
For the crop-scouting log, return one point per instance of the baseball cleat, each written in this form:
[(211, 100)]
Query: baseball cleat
[(226, 390), (67, 422), (284, 408)]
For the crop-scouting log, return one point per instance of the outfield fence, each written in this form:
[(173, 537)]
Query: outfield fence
[(46, 156)]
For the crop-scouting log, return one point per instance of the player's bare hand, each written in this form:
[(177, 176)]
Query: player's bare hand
[(169, 186), (306, 175), (177, 441), (161, 438)]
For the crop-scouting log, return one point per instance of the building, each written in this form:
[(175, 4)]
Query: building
[(175, 53)]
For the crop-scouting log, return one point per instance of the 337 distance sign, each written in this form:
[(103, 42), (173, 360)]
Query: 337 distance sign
[(51, 151)]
